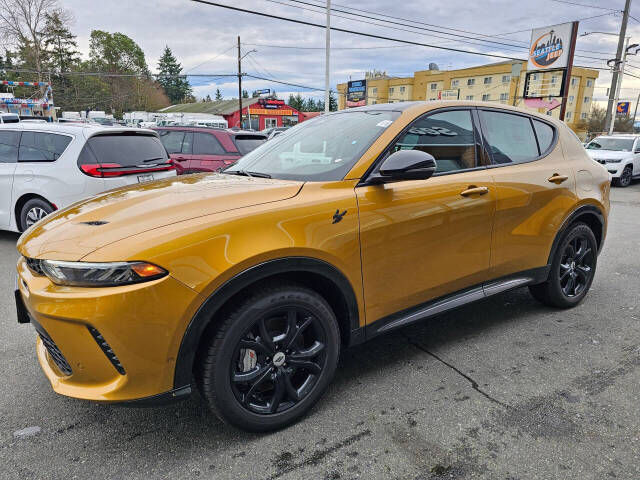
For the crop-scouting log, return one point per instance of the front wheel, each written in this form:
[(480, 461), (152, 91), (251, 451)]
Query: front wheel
[(626, 177), (271, 360), (572, 269), (33, 211)]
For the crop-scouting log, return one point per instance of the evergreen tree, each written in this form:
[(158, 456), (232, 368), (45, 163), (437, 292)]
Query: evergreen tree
[(60, 44), (208, 98), (176, 87), (245, 94), (333, 101), (255, 94), (218, 94), (310, 105), (297, 102)]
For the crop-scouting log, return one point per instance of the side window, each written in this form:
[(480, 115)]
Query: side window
[(510, 137), (544, 132), (206, 144), (172, 140), (42, 147), (9, 142), (187, 143), (448, 136)]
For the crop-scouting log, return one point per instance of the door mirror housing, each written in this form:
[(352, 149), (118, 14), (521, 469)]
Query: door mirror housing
[(406, 165)]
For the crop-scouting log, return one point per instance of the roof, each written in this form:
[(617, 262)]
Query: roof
[(219, 107), (88, 129), (194, 128)]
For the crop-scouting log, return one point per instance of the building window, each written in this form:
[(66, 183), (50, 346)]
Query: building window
[(571, 98), (587, 99), (534, 76), (469, 97), (485, 97), (487, 80), (471, 81), (504, 96), (402, 89), (506, 78), (391, 91), (589, 82), (433, 98), (455, 83), (553, 79), (583, 116), (567, 115), (434, 86), (374, 91), (574, 81), (373, 102)]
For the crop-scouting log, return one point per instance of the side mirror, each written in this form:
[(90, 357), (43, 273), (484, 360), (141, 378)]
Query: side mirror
[(406, 165)]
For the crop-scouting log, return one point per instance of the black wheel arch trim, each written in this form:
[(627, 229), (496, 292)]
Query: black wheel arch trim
[(196, 328), (572, 218)]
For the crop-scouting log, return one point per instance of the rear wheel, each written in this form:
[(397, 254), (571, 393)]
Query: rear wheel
[(625, 177), (271, 360), (33, 211), (572, 269)]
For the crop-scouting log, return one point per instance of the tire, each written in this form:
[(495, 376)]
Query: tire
[(626, 177), (572, 269), (260, 384), (32, 211)]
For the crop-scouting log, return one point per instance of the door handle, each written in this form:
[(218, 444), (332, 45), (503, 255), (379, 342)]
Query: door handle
[(473, 190), (557, 178)]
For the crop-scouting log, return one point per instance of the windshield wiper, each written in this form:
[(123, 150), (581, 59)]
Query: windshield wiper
[(246, 173), (152, 159)]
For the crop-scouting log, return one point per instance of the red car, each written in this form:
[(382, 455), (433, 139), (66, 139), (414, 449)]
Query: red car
[(198, 149)]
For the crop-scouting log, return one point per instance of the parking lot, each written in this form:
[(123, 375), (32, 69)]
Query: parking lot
[(501, 389)]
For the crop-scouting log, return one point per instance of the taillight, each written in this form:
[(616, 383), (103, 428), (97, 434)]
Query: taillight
[(106, 170)]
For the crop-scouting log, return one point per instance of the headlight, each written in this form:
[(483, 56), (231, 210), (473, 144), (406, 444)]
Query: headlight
[(613, 160), (111, 274)]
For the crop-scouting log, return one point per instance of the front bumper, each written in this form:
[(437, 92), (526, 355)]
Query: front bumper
[(112, 344)]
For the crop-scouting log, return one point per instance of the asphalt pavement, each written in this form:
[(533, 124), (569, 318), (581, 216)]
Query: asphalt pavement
[(501, 389)]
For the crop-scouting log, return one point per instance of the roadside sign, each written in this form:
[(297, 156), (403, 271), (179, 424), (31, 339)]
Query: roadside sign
[(356, 93), (450, 94), (622, 110)]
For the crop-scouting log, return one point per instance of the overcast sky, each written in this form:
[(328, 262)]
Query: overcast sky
[(204, 37)]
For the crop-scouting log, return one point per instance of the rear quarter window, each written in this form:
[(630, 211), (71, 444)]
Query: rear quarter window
[(9, 142), (247, 143), (126, 150), (545, 135), (42, 147)]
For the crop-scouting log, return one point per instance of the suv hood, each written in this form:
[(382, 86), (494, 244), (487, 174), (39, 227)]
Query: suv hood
[(608, 154), (78, 230)]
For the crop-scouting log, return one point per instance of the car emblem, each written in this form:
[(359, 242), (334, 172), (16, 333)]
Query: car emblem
[(278, 359), (94, 223), (338, 216)]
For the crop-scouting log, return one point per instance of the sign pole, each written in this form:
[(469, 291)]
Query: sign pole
[(239, 83), (327, 97), (567, 73)]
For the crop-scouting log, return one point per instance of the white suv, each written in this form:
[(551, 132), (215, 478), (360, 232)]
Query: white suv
[(44, 167), (620, 154)]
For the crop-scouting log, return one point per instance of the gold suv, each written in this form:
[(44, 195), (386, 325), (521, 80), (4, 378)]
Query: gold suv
[(249, 282)]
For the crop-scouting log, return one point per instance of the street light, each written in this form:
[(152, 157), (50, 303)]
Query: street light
[(616, 65)]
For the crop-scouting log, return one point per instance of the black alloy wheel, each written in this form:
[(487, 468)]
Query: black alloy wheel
[(572, 269), (269, 358), (626, 177), (279, 360)]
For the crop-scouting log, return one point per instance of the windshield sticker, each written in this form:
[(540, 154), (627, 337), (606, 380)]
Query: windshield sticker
[(384, 123)]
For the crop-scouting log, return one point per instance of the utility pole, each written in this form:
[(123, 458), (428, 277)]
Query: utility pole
[(609, 119), (240, 81), (635, 111), (327, 49), (618, 86)]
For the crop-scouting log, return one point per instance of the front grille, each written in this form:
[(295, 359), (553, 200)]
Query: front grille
[(53, 350), (34, 265), (106, 348)]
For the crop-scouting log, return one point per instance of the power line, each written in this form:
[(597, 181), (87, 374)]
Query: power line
[(321, 48), (211, 59), (362, 34), (586, 5)]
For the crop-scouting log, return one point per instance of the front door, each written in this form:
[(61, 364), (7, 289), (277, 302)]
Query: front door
[(208, 153), (535, 189), (422, 239), (9, 142), (270, 122)]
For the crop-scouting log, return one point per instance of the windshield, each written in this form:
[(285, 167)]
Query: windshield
[(608, 143), (322, 149)]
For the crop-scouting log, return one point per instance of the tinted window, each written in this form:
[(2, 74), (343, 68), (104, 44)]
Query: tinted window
[(510, 137), (206, 144), (9, 142), (544, 132), (172, 140), (10, 119), (187, 144), (448, 136), (125, 150), (42, 147), (246, 143), (610, 143)]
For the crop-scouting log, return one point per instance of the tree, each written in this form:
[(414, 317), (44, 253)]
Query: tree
[(310, 105), (595, 124), (218, 94), (22, 23), (297, 102), (333, 101), (255, 94), (208, 98), (175, 86), (59, 42), (245, 94)]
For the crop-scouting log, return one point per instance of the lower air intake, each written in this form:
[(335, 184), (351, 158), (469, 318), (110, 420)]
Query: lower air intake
[(106, 348)]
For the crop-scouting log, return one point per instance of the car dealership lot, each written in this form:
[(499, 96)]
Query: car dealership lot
[(504, 388)]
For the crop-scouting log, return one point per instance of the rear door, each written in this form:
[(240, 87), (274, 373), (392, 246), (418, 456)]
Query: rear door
[(9, 142), (535, 188), (208, 153)]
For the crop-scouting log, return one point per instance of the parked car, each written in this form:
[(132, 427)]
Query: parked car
[(620, 154), (9, 118), (45, 167), (349, 226), (201, 149)]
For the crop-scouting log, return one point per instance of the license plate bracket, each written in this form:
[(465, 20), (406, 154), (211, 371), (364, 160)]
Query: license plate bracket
[(147, 177)]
